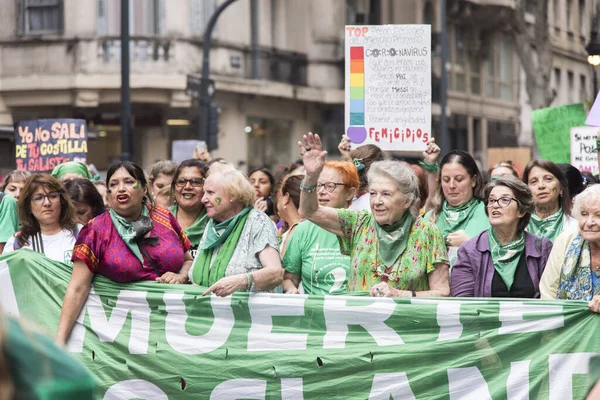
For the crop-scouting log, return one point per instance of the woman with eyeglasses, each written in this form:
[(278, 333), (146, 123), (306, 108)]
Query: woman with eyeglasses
[(393, 252), (47, 219), (503, 261), (134, 241), (188, 188), (312, 255)]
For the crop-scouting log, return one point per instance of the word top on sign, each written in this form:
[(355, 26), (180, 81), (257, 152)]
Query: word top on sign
[(388, 86)]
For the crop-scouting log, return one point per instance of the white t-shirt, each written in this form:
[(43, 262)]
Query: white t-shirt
[(58, 247)]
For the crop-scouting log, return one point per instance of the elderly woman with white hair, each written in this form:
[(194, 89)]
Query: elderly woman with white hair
[(573, 268), (393, 251), (238, 250)]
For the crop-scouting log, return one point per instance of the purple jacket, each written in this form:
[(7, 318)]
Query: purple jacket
[(473, 271)]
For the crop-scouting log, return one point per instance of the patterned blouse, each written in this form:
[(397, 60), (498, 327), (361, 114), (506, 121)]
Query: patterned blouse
[(425, 249), (104, 252), (258, 233)]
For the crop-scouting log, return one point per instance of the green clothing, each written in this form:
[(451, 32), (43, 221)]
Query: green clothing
[(41, 370), (195, 231), (208, 269), (127, 232), (469, 217), (71, 167), (425, 249), (549, 227), (393, 238), (506, 256), (9, 218), (314, 254)]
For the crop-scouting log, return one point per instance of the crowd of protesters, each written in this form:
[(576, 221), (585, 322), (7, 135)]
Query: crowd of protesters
[(365, 223)]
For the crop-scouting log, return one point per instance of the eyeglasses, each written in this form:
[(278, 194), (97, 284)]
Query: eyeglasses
[(502, 202), (329, 186), (39, 198), (195, 182)]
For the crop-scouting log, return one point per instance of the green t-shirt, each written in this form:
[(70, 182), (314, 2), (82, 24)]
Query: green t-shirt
[(40, 369), (9, 218), (425, 249), (314, 254)]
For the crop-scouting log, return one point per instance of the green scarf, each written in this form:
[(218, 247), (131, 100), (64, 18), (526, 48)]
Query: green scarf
[(226, 233), (549, 227), (127, 232), (506, 256), (453, 219), (195, 231), (71, 167), (393, 238)]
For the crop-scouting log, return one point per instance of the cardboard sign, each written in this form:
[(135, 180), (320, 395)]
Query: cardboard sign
[(43, 144), (519, 156), (552, 128), (583, 148), (388, 86)]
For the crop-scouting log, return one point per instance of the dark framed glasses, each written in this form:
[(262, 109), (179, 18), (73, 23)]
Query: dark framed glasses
[(502, 201), (195, 182), (329, 186)]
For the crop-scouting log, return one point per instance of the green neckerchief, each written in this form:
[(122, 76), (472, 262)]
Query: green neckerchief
[(195, 231), (127, 232), (549, 227), (453, 219), (205, 274), (71, 167), (393, 238), (506, 256)]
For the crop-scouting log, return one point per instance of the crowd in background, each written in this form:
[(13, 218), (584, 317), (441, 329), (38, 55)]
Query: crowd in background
[(393, 228)]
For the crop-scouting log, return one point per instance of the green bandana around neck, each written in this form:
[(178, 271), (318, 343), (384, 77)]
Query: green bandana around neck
[(195, 231), (549, 227), (71, 167), (392, 239), (453, 219), (205, 274), (127, 231), (506, 256)]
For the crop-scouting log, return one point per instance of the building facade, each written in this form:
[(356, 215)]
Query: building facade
[(278, 68)]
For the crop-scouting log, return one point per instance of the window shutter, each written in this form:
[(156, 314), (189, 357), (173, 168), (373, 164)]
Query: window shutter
[(102, 17), (196, 21), (20, 17), (61, 17)]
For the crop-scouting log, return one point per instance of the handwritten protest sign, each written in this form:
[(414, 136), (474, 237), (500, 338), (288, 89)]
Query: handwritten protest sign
[(43, 144), (552, 128), (583, 148), (388, 86)]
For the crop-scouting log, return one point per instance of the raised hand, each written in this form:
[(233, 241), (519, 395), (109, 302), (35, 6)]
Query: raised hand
[(344, 146), (432, 152), (313, 156)]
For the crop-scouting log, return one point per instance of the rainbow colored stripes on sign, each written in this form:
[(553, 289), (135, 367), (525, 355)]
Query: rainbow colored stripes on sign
[(357, 132)]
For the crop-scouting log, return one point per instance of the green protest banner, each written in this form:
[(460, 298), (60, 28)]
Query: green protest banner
[(552, 127), (154, 341)]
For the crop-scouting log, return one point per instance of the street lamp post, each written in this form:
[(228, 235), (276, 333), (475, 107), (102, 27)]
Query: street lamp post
[(593, 49)]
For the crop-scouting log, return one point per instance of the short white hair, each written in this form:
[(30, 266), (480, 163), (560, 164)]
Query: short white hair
[(405, 179), (588, 196)]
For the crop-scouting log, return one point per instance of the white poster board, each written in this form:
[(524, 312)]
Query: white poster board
[(583, 145), (388, 86), (182, 150)]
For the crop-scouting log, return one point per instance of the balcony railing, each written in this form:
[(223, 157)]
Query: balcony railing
[(140, 49), (279, 66)]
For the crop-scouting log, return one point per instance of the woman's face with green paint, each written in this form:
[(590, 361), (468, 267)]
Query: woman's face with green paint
[(218, 203), (544, 187), (125, 194)]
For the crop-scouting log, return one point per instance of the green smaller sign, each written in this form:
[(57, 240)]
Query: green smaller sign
[(552, 128)]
